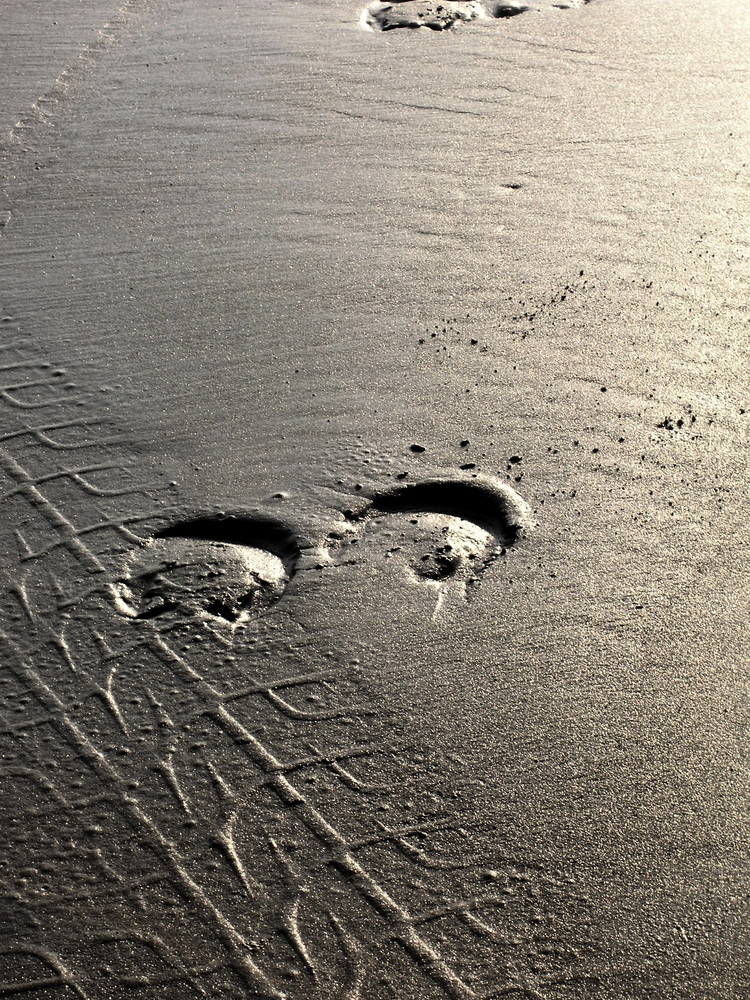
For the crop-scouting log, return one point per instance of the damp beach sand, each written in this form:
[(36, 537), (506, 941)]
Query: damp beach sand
[(374, 538)]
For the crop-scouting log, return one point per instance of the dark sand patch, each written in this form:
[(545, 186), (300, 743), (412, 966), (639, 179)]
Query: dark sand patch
[(506, 8)]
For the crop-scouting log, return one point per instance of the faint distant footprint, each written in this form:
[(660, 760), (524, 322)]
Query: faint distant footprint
[(222, 567), (386, 15), (442, 530), (418, 14)]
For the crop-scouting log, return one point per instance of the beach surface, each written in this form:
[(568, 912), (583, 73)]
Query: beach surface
[(374, 548)]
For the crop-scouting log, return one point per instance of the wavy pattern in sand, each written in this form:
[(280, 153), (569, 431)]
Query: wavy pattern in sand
[(200, 802)]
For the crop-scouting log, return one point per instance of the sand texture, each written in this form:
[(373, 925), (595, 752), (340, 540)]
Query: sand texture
[(374, 470)]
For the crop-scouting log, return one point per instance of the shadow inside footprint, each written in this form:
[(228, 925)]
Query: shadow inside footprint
[(507, 8), (229, 568), (493, 507)]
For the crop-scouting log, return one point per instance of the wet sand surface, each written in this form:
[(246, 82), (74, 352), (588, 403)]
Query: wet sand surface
[(375, 543)]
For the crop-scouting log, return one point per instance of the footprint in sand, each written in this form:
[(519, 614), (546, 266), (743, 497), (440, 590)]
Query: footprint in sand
[(226, 568), (442, 16), (418, 14), (251, 761), (231, 568), (444, 532)]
